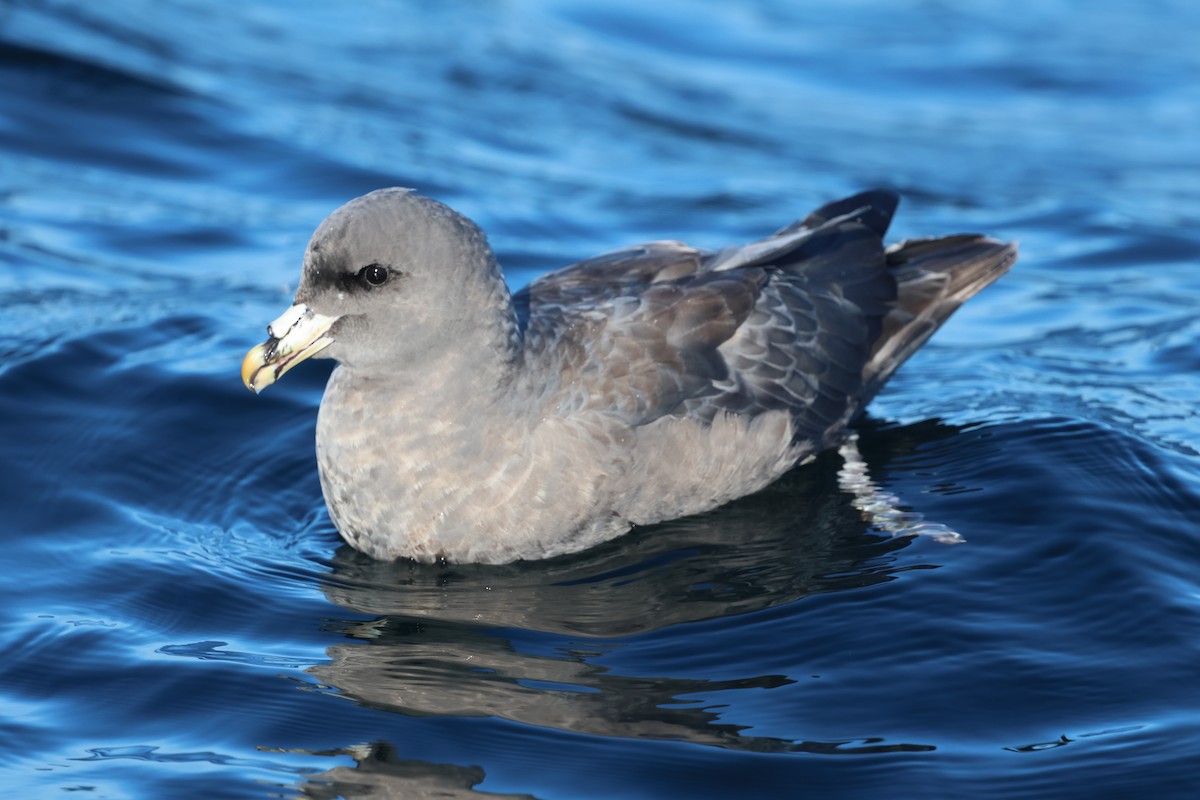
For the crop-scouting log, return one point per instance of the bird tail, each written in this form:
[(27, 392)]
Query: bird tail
[(933, 278)]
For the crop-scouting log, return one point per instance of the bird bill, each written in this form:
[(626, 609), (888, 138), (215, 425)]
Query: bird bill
[(299, 333)]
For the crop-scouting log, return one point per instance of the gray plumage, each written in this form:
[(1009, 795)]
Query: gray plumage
[(642, 385)]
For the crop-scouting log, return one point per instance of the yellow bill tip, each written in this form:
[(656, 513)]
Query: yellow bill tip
[(253, 369), (298, 334)]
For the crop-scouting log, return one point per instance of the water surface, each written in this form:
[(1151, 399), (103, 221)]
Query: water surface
[(181, 618)]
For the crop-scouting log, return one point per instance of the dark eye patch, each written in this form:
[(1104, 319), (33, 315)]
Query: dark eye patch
[(331, 270)]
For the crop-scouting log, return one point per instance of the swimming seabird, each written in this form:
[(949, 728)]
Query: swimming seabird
[(470, 424)]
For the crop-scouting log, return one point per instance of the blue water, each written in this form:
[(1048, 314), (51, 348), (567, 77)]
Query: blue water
[(180, 619)]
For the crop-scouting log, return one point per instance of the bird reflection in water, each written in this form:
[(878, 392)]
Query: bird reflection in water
[(526, 642)]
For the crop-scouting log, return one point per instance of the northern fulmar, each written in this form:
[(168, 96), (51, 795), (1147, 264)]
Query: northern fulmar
[(470, 424)]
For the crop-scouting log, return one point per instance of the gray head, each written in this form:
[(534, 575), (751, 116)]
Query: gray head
[(392, 281)]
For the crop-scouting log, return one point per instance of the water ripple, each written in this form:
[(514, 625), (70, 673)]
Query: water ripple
[(179, 604)]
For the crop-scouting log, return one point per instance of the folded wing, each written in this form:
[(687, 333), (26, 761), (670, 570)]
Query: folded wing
[(812, 320)]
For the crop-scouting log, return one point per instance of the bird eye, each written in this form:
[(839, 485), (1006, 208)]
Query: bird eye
[(374, 274)]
